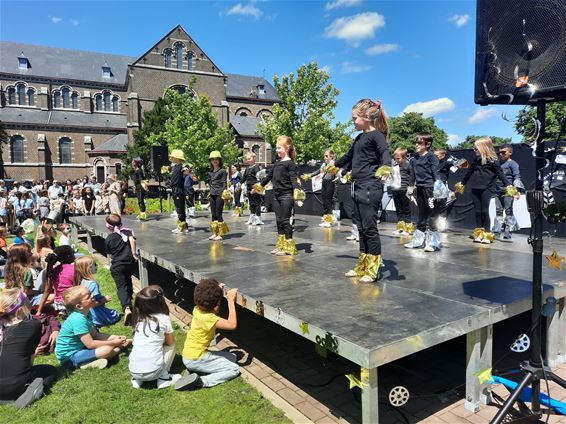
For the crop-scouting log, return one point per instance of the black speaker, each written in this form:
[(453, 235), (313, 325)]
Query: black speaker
[(520, 51), (159, 157)]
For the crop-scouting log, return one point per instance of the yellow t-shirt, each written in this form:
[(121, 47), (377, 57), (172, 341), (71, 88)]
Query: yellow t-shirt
[(200, 334)]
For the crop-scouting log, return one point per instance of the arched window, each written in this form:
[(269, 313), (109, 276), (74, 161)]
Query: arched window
[(264, 113), (107, 97), (66, 93), (115, 104), (179, 55), (65, 150), (181, 89), (190, 60), (57, 99), (255, 149), (21, 94), (11, 96), (31, 97), (17, 149), (168, 57), (98, 102), (75, 100), (244, 111)]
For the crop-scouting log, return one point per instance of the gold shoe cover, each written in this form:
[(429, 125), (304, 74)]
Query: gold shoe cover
[(478, 233), (289, 247), (222, 229), (360, 267), (181, 225), (373, 262), (328, 219), (214, 227), (280, 243), (409, 228), (401, 226)]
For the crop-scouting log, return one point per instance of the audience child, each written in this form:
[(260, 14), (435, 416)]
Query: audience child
[(64, 239), (217, 367), (20, 380), (3, 206), (79, 344), (89, 200), (18, 272), (20, 236), (121, 246), (85, 269), (3, 245), (43, 204), (399, 191), (154, 343), (58, 278)]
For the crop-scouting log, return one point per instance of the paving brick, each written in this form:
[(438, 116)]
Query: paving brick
[(452, 418), (273, 383), (310, 411), (290, 396)]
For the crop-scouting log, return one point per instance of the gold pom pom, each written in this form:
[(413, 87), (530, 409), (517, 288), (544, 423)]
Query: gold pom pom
[(383, 171), (459, 188)]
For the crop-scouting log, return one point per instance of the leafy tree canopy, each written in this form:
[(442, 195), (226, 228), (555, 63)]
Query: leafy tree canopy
[(468, 143), (404, 128), (525, 123)]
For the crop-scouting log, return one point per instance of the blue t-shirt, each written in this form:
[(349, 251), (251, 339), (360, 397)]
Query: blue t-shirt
[(69, 339), (20, 240)]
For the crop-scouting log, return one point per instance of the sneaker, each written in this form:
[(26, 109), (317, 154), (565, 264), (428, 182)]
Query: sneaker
[(177, 231), (168, 381), (507, 234), (33, 392), (478, 240), (274, 251), (136, 384), (352, 237), (485, 241), (324, 225), (217, 238), (188, 382), (96, 364), (212, 237), (259, 221), (429, 248), (280, 253)]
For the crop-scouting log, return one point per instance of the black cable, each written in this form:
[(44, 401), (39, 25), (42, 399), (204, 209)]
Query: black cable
[(547, 389)]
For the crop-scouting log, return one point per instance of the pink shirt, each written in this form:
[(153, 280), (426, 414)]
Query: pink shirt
[(63, 276)]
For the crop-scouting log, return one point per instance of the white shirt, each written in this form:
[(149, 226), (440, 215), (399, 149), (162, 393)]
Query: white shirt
[(147, 352), (64, 240), (54, 191)]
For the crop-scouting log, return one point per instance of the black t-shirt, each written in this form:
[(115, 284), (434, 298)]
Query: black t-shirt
[(137, 177), (217, 181), (283, 177), (88, 199), (119, 249), (484, 175), (367, 153), (177, 179), (250, 176), (424, 170), (444, 169), (18, 345)]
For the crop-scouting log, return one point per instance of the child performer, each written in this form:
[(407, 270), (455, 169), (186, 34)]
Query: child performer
[(177, 158), (444, 166), (328, 186), (286, 190), (483, 173), (423, 179), (139, 182), (249, 179), (370, 158), (217, 367), (399, 193), (218, 186), (502, 201), (189, 183), (236, 180)]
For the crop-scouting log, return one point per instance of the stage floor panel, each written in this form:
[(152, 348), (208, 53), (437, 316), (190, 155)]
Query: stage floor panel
[(421, 300)]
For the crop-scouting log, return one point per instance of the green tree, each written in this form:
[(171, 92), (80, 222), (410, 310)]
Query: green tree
[(525, 124), (404, 128), (192, 126), (468, 143), (306, 113)]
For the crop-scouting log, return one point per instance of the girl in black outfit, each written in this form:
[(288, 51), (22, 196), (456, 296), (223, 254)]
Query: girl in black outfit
[(286, 190), (138, 178), (20, 380), (249, 179), (89, 201), (483, 174), (218, 184), (370, 159), (329, 175)]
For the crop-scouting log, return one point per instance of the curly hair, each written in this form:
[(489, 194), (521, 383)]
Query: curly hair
[(208, 294)]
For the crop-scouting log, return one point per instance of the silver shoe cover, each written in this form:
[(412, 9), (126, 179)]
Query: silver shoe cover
[(497, 224), (417, 241), (511, 223)]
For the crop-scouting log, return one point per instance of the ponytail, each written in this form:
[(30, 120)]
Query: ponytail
[(61, 254), (374, 112), (288, 142)]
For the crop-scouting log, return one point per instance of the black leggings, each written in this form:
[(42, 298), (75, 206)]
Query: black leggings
[(237, 197), (190, 197), (140, 194), (481, 199), (427, 215), (282, 206), (255, 203), (402, 205), (327, 196), (216, 207), (14, 390), (367, 199), (179, 201), (122, 275)]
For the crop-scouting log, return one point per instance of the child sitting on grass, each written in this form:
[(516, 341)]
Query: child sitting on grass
[(218, 366), (79, 344), (85, 268), (58, 278), (20, 236)]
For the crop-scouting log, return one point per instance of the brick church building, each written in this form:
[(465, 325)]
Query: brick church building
[(71, 113)]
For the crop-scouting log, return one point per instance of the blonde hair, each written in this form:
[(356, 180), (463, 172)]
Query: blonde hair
[(250, 155), (72, 296), (286, 141), (41, 242), (7, 298), (373, 112), (83, 269), (485, 149), (331, 153), (400, 151)]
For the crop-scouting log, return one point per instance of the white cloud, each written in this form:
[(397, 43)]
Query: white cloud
[(460, 20), (482, 114), (350, 68), (337, 4), (431, 107), (381, 48), (326, 69), (354, 29), (74, 22), (244, 10), (454, 139), (55, 19)]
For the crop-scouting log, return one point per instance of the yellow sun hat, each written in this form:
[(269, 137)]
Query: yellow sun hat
[(177, 154)]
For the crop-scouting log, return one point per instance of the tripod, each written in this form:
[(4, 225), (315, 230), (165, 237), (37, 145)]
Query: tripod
[(534, 369)]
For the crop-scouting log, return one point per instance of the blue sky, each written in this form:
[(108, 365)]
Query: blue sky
[(412, 55)]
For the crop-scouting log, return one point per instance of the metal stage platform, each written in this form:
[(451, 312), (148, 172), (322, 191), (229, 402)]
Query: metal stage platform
[(422, 299)]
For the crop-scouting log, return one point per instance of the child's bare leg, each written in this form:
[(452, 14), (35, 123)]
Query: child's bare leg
[(106, 352)]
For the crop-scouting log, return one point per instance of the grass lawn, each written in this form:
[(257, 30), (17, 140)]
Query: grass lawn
[(106, 396)]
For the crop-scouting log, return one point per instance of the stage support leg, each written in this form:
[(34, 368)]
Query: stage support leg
[(144, 274), (555, 340), (479, 346), (74, 233), (370, 400), (89, 243)]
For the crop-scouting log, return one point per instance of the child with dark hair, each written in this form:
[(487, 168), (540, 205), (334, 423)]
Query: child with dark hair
[(121, 246), (218, 367), (399, 191), (58, 278), (217, 179), (138, 178), (20, 236), (18, 272), (154, 342), (249, 179)]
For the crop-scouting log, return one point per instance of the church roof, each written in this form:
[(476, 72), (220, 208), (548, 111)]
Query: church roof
[(116, 144), (245, 85), (246, 126), (20, 115)]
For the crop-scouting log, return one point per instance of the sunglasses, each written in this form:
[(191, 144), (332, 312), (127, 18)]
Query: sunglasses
[(503, 152), (418, 143)]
